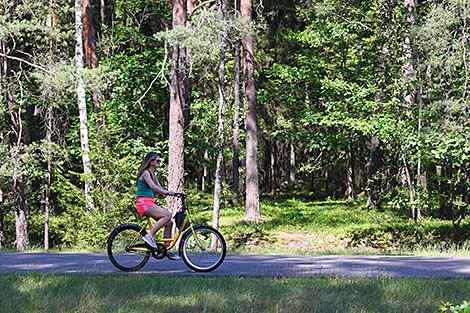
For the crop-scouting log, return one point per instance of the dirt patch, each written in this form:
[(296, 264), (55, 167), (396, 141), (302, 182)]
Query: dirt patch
[(308, 241), (301, 241)]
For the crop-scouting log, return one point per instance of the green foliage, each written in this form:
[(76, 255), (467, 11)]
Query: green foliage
[(134, 22), (206, 35), (329, 75), (145, 119), (449, 308)]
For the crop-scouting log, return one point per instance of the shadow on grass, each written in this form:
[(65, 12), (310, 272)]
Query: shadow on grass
[(145, 293)]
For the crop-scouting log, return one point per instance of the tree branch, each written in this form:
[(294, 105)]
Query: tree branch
[(161, 73), (29, 63)]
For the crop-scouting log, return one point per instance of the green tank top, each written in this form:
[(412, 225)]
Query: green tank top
[(143, 189)]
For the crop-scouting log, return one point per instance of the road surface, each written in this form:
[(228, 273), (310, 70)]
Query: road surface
[(249, 265)]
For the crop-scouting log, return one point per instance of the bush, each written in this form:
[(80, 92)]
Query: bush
[(449, 308)]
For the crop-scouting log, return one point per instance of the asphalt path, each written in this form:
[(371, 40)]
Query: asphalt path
[(249, 265)]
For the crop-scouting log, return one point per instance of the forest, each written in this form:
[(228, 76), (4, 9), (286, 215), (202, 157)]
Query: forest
[(351, 99)]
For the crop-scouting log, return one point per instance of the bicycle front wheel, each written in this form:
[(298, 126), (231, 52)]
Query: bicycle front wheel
[(204, 249), (126, 248)]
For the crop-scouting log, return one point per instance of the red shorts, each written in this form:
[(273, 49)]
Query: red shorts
[(143, 204)]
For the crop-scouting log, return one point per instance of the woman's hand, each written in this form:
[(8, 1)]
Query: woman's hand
[(175, 194)]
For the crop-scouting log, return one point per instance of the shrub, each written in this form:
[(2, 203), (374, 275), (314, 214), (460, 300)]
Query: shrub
[(449, 308)]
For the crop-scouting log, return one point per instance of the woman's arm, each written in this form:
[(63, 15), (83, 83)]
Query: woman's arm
[(156, 186)]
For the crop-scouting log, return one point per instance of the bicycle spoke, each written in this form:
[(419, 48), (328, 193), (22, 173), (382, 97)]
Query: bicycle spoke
[(205, 251), (123, 250)]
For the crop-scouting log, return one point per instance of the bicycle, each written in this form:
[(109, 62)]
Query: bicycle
[(202, 248)]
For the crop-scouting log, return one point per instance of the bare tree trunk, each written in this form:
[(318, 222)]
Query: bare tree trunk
[(92, 60), (236, 118), (2, 224), (252, 211), (376, 153), (49, 175), (188, 80), (177, 103), (51, 22), (82, 103), (273, 165), (351, 189), (375, 164), (221, 119), (292, 180), (22, 237), (16, 133), (3, 66), (411, 98), (205, 172), (103, 12)]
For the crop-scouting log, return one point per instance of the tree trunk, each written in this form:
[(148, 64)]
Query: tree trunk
[(22, 238), (49, 175), (351, 189), (292, 164), (375, 164), (2, 224), (445, 188), (177, 103), (273, 165), (81, 99), (205, 171), (411, 98), (411, 186), (252, 211), (221, 119), (103, 12), (51, 22), (236, 118), (188, 80), (92, 60)]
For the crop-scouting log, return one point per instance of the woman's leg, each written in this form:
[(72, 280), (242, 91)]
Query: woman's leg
[(167, 231), (162, 216)]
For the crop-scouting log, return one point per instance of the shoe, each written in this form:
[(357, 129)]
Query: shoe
[(172, 256), (149, 239)]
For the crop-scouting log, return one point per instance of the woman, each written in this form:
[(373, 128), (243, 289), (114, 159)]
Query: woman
[(147, 184)]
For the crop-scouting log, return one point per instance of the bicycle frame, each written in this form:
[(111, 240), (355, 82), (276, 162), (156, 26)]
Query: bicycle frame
[(172, 241), (202, 248)]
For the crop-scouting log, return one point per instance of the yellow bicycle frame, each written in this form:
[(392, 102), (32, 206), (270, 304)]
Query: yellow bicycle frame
[(163, 240)]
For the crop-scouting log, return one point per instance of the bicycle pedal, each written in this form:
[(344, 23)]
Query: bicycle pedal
[(160, 252)]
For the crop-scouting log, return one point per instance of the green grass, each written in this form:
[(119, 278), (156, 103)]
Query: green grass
[(148, 293), (299, 225)]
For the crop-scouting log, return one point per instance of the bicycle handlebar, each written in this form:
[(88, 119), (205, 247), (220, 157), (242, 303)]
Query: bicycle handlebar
[(181, 195)]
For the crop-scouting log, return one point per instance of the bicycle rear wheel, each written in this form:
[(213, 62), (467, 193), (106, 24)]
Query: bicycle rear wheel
[(124, 256), (204, 250)]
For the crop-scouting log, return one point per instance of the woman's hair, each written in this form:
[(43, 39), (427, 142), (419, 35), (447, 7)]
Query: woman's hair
[(146, 163)]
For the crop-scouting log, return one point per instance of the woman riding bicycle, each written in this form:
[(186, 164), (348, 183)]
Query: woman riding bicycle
[(147, 184)]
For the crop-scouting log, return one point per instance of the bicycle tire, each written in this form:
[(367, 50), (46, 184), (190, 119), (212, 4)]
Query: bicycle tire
[(207, 258), (118, 252)]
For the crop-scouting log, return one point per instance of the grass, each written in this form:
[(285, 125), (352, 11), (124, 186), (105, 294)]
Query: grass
[(147, 293), (297, 224), (300, 225)]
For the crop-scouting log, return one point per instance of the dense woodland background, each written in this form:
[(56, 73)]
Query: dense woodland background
[(354, 99)]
